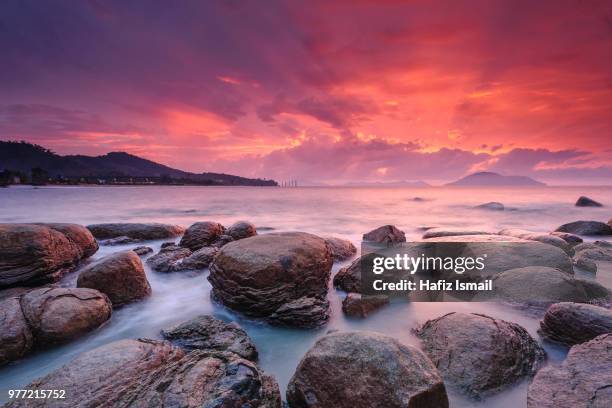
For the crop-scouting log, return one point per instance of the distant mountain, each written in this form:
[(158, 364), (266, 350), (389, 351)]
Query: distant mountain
[(23, 157), (487, 178)]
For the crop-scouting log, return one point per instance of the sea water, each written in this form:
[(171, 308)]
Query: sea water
[(345, 212)]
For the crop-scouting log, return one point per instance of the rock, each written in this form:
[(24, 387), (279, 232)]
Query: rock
[(78, 235), (148, 373), (573, 323), (201, 234), (493, 205), (199, 259), (567, 237), (122, 240), (585, 263), (259, 275), (167, 258), (120, 276), (387, 234), (59, 314), (449, 232), (584, 380), (222, 240), (509, 253), (365, 370), (479, 354), (304, 312), (167, 244), (15, 336), (595, 251), (534, 236), (34, 254), (207, 333), (341, 249), (356, 305), (140, 231), (546, 285), (586, 228), (587, 202), (349, 278), (142, 250), (241, 229)]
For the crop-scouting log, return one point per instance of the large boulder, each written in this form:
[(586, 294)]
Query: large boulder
[(387, 234), (450, 232), (34, 254), (120, 276), (265, 274), (543, 285), (595, 251), (202, 234), (59, 314), (534, 236), (479, 354), (583, 380), (16, 339), (241, 229), (365, 370), (357, 305), (207, 333), (341, 249), (147, 373), (586, 228), (139, 231), (348, 278), (573, 323), (587, 202), (506, 252)]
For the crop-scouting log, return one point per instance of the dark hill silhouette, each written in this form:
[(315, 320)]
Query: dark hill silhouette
[(23, 157), (487, 178)]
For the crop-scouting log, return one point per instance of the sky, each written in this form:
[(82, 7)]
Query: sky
[(327, 91)]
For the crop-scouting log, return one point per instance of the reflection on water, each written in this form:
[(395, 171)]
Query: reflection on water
[(346, 212)]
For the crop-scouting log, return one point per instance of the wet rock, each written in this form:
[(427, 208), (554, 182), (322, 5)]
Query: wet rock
[(142, 250), (587, 202), (493, 205), (595, 251), (15, 336), (534, 236), (34, 254), (59, 314), (349, 278), (222, 240), (259, 275), (139, 231), (304, 312), (449, 232), (207, 333), (586, 228), (342, 249), (201, 234), (122, 240), (241, 229), (567, 237), (167, 244), (573, 323), (546, 285), (156, 374), (583, 380), (120, 276), (479, 354), (167, 257), (585, 263), (509, 253), (365, 370), (387, 234), (356, 305), (199, 259)]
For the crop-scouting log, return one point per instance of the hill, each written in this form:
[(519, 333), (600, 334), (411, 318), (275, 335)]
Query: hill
[(487, 178), (112, 167)]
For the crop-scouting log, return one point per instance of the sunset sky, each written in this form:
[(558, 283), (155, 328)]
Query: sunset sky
[(321, 91)]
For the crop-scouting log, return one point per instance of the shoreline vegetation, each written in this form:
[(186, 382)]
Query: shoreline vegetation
[(281, 279)]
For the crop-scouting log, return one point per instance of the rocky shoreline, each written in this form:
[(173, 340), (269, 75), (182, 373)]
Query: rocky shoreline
[(281, 278)]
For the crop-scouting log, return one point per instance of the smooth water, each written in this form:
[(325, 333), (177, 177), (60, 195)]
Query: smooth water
[(345, 212)]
